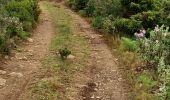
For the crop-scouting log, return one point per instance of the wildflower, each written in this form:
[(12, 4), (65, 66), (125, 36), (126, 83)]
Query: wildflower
[(157, 29), (157, 41), (143, 31), (139, 35), (165, 34), (146, 44)]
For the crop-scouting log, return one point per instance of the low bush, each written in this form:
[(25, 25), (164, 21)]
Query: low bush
[(155, 51), (64, 53), (17, 18)]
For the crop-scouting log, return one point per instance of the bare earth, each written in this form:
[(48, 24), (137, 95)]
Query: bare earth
[(27, 62), (104, 78), (106, 83)]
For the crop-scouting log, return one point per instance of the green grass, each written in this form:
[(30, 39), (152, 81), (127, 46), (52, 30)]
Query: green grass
[(60, 74)]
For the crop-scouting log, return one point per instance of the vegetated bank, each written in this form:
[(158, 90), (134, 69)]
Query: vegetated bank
[(144, 42), (17, 20)]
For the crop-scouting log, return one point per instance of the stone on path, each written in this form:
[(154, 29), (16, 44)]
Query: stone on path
[(2, 72), (71, 57), (2, 82), (14, 74), (30, 40)]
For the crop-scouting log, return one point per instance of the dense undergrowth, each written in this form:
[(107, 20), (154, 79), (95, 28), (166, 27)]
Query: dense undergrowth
[(17, 20), (144, 49)]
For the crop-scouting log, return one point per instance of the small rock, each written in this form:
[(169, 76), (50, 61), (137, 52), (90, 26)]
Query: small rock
[(14, 74), (2, 72), (24, 58), (92, 37), (92, 97), (20, 66), (6, 57), (2, 82), (30, 40), (116, 59), (71, 57), (98, 97)]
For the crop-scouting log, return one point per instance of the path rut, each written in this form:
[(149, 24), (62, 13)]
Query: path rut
[(106, 81), (27, 61)]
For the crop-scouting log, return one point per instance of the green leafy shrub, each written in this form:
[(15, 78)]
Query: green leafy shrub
[(155, 51), (77, 4), (147, 80), (26, 10), (64, 52), (129, 44), (17, 18), (98, 22), (82, 13), (104, 7), (127, 25)]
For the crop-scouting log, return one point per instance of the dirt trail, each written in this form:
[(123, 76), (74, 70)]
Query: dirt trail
[(106, 82), (23, 69)]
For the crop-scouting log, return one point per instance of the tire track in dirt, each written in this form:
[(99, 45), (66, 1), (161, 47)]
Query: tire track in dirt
[(106, 82), (27, 61)]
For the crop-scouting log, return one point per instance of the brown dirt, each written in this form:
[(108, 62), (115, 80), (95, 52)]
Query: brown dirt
[(27, 61), (105, 79), (102, 81)]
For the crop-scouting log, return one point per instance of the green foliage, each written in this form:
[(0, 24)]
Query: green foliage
[(77, 4), (82, 13), (155, 52), (64, 52), (17, 18), (146, 80), (104, 7), (129, 44), (127, 26), (98, 22), (26, 10)]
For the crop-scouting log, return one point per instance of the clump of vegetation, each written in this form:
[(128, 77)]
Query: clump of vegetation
[(64, 53), (17, 19), (155, 52)]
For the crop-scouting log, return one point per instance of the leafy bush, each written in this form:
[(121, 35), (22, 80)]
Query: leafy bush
[(129, 44), (77, 4), (155, 51), (98, 22), (82, 13), (127, 25), (26, 10), (104, 7), (64, 52), (17, 18)]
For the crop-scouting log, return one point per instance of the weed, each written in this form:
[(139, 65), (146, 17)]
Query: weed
[(64, 52)]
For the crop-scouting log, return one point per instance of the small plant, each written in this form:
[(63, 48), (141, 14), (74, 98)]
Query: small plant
[(64, 52)]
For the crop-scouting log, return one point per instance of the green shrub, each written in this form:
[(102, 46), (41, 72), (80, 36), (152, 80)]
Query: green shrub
[(129, 44), (64, 52), (155, 51), (108, 25), (17, 18), (147, 80), (82, 13), (98, 22), (127, 25), (77, 4), (26, 10), (104, 7)]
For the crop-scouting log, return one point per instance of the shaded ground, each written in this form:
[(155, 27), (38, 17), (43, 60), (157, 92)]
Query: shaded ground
[(99, 79)]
